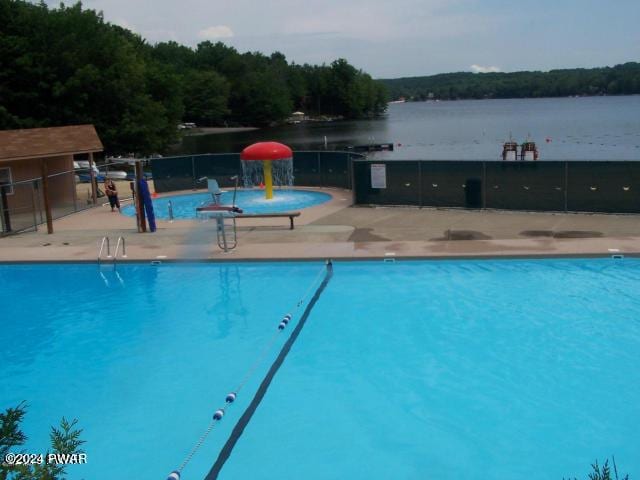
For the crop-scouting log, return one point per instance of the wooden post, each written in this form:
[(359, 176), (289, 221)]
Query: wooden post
[(94, 183), (142, 224), (34, 203), (45, 195)]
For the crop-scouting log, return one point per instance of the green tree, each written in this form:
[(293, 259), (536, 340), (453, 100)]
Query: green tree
[(618, 80), (66, 65), (261, 98), (64, 440), (206, 97)]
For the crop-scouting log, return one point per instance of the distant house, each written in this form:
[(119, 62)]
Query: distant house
[(37, 179)]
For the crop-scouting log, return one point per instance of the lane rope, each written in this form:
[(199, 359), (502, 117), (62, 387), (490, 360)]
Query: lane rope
[(231, 397), (266, 381)]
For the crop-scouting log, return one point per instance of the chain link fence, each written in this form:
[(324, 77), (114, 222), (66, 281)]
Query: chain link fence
[(22, 205)]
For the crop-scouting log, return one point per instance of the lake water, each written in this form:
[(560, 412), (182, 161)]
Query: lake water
[(587, 128)]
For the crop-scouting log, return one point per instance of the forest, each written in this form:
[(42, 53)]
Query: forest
[(618, 80), (67, 65)]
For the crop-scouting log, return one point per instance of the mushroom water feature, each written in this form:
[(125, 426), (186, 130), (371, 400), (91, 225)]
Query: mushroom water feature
[(268, 163)]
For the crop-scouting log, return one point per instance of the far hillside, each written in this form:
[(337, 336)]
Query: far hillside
[(619, 80)]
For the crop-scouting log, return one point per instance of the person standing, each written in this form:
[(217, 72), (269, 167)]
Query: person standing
[(112, 193)]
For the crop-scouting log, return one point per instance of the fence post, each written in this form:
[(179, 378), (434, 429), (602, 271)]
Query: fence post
[(483, 185), (45, 195), (34, 203), (420, 183), (4, 207), (75, 191), (353, 183), (193, 174), (94, 181), (566, 186), (139, 201)]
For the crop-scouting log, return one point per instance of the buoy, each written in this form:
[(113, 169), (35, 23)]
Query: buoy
[(281, 326), (175, 475), (218, 415), (230, 398)]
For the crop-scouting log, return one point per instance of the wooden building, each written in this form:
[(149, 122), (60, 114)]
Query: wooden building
[(37, 171)]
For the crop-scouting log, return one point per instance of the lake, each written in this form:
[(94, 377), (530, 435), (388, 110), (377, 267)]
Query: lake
[(584, 128)]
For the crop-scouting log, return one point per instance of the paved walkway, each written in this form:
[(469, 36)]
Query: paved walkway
[(337, 230)]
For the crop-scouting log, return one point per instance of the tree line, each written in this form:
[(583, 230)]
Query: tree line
[(66, 65), (618, 80)]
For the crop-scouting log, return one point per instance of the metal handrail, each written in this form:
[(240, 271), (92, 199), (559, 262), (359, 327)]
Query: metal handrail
[(170, 208), (124, 250), (105, 240)]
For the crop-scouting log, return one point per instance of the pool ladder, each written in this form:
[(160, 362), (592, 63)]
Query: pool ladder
[(106, 243), (226, 232)]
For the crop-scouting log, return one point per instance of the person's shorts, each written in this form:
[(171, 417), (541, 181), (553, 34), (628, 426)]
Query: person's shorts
[(113, 201)]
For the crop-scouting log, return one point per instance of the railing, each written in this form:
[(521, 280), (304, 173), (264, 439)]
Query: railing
[(170, 208), (105, 241), (124, 250)]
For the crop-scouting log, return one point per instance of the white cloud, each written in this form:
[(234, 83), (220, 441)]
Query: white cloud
[(481, 69), (215, 32)]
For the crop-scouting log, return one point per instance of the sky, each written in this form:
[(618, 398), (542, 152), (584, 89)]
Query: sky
[(399, 38)]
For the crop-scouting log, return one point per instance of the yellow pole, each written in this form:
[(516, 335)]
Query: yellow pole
[(268, 180)]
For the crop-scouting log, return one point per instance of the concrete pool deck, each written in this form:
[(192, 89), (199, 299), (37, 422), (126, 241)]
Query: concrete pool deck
[(338, 230)]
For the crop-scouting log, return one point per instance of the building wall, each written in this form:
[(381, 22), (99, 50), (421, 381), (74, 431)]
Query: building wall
[(62, 188)]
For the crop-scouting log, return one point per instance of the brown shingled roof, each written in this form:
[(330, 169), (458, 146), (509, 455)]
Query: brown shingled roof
[(48, 142)]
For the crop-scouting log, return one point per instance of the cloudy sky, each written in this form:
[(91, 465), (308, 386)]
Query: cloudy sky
[(395, 38)]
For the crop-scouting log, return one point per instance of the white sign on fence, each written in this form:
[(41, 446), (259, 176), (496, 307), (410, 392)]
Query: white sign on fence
[(378, 175)]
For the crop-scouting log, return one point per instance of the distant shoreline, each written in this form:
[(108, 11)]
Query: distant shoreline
[(216, 130), (434, 100)]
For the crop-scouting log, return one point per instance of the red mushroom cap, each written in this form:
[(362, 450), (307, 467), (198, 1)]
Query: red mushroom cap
[(266, 151)]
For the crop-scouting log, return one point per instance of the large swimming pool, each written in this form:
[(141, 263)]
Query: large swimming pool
[(488, 369), (250, 201)]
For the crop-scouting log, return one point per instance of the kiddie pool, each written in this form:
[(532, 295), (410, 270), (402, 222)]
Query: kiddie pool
[(250, 201)]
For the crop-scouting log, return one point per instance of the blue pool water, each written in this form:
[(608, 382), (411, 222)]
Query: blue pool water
[(494, 369), (250, 201)]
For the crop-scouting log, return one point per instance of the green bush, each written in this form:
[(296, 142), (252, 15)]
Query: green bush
[(64, 440)]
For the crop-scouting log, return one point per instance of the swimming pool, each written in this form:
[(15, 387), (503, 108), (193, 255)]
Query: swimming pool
[(250, 201), (456, 369)]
